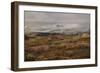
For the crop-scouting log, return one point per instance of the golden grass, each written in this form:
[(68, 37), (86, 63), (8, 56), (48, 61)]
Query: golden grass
[(57, 48)]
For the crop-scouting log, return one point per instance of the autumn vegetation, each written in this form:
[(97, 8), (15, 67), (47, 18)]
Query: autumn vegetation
[(50, 46)]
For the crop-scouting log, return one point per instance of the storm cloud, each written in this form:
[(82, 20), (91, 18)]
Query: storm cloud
[(56, 22)]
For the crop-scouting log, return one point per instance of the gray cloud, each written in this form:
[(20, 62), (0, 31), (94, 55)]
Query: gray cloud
[(51, 21)]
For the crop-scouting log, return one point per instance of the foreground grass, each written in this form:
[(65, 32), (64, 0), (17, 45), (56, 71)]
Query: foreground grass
[(56, 47)]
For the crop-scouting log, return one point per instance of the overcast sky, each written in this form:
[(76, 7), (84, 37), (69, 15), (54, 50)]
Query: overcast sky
[(56, 22)]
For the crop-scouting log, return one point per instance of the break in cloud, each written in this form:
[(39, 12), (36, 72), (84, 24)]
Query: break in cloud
[(56, 22)]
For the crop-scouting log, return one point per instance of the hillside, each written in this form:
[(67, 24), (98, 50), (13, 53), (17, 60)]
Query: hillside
[(56, 46)]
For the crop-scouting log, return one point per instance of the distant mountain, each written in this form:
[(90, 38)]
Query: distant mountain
[(60, 30), (53, 33)]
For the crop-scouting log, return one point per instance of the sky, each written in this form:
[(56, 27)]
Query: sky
[(36, 21)]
